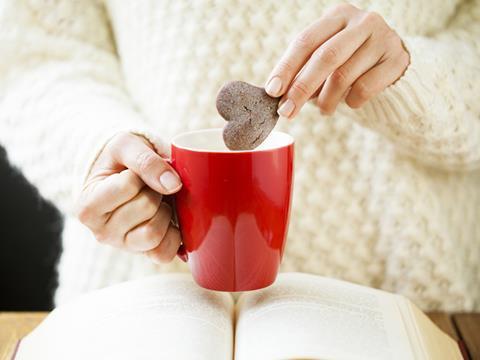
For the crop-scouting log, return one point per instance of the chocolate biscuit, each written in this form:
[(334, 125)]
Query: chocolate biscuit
[(251, 114)]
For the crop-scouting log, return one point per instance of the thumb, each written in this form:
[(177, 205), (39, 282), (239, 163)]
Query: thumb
[(134, 153)]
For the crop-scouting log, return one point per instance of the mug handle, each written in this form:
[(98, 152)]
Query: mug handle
[(170, 199), (182, 253)]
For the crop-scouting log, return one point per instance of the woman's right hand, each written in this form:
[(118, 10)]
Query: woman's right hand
[(121, 201)]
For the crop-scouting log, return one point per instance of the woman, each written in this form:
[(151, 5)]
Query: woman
[(387, 172)]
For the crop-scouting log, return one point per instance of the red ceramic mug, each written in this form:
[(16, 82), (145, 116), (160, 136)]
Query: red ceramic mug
[(233, 209)]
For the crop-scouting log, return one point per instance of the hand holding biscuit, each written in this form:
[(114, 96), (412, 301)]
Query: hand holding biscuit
[(347, 54)]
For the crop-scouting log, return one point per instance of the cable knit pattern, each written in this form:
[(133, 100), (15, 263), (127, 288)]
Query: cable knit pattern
[(387, 195)]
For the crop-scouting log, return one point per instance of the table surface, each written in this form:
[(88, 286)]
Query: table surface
[(464, 327)]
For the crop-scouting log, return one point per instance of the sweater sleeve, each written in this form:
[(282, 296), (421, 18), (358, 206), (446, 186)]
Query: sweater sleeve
[(433, 111), (61, 93)]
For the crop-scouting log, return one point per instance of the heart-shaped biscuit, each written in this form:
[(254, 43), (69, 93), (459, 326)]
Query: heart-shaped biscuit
[(251, 114)]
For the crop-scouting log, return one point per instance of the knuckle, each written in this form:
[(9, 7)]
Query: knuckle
[(327, 55), (341, 8), (339, 77), (352, 103), (359, 94), (120, 138), (81, 213), (84, 213), (123, 135), (363, 91), (392, 35), (323, 105), (371, 18), (145, 161), (102, 237), (304, 39), (301, 88), (392, 39)]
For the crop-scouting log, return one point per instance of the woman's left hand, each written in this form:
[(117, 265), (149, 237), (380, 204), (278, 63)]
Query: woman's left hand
[(347, 54)]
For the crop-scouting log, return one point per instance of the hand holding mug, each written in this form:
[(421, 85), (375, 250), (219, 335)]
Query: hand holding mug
[(233, 207), (121, 201), (347, 54)]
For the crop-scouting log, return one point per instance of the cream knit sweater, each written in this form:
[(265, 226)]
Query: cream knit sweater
[(387, 195)]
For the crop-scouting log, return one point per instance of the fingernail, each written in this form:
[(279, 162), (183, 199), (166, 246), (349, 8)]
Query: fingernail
[(169, 181), (286, 109), (274, 86)]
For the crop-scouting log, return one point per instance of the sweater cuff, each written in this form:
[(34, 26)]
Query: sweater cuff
[(94, 145), (399, 111)]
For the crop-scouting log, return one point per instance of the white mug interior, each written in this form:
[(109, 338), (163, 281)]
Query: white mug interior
[(211, 140)]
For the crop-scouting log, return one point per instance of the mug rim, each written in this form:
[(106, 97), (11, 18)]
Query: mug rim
[(290, 142)]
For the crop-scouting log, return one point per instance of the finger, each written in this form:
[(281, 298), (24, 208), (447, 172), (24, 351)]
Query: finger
[(146, 163), (170, 200), (300, 50), (106, 195), (329, 56), (149, 234), (131, 214), (338, 83), (166, 251), (115, 190), (316, 93), (376, 80)]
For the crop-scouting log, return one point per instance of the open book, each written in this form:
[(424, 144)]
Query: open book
[(299, 317)]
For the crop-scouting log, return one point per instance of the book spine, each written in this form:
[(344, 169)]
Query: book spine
[(463, 349), (15, 350)]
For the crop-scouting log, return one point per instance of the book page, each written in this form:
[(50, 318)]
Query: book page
[(305, 316), (430, 341), (162, 317)]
